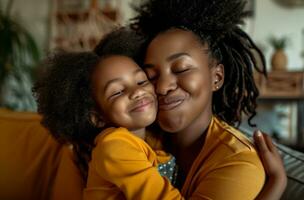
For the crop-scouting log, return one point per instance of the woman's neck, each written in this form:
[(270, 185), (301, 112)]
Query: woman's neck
[(187, 144), (187, 137)]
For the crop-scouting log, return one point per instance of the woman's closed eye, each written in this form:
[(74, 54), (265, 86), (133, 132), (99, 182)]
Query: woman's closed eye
[(181, 70)]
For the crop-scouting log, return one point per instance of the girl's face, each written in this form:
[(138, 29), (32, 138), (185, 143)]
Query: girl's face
[(184, 78), (123, 93)]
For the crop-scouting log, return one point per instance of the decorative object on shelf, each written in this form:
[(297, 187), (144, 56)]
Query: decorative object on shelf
[(81, 26), (19, 55), (279, 58)]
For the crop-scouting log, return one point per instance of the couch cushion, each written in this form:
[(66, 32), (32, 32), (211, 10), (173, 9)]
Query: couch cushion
[(29, 157)]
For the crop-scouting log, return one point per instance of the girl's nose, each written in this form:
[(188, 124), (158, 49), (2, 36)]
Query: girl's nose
[(137, 93)]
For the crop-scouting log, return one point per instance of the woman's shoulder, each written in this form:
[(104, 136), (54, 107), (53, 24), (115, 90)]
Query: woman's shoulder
[(231, 137)]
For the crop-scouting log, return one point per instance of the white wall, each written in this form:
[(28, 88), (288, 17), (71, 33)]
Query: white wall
[(273, 19), (34, 15)]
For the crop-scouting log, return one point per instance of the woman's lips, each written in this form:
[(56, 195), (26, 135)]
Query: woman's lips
[(142, 105), (170, 103)]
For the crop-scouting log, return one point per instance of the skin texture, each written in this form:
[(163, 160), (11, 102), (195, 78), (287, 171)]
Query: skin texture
[(123, 94), (185, 77)]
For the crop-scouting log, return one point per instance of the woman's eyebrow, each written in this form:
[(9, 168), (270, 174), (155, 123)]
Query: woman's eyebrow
[(177, 55), (169, 58)]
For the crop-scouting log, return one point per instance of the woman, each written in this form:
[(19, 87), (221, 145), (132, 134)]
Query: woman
[(201, 64)]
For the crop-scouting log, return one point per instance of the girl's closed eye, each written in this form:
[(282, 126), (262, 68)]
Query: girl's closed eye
[(143, 82), (115, 94)]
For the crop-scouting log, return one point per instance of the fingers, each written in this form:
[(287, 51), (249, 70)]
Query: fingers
[(260, 141), (269, 143)]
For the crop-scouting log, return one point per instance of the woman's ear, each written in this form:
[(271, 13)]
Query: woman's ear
[(97, 119), (218, 74)]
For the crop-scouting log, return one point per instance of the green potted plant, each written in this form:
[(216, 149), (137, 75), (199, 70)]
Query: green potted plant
[(279, 58), (18, 54)]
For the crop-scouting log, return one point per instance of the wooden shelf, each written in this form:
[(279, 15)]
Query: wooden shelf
[(281, 85)]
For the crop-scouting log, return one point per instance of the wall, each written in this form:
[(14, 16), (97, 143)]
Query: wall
[(273, 19), (34, 15)]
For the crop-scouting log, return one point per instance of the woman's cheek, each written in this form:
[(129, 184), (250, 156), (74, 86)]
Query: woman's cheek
[(193, 84)]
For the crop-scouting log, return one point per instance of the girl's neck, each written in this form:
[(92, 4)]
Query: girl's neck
[(141, 133)]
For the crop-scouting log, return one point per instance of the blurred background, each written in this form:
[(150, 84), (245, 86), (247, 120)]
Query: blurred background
[(32, 28)]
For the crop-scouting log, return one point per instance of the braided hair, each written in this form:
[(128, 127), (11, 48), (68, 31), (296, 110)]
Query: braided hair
[(64, 92), (217, 24)]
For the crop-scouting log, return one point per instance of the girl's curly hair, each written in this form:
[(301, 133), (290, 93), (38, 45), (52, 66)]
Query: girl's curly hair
[(64, 92), (216, 23)]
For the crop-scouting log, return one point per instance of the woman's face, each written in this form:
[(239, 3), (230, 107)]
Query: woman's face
[(123, 93), (184, 79)]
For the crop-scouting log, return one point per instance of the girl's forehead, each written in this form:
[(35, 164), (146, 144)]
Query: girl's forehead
[(114, 67)]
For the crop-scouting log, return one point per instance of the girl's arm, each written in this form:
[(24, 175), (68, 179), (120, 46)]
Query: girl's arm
[(122, 165), (277, 180)]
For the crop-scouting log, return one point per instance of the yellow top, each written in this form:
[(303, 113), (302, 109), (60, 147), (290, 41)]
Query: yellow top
[(124, 166), (228, 167)]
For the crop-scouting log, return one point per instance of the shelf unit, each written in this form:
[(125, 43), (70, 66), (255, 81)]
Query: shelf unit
[(285, 88), (78, 25)]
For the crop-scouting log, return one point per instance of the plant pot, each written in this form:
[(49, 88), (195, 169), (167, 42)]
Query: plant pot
[(279, 61)]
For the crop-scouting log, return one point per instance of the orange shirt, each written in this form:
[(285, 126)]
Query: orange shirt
[(228, 167), (123, 166)]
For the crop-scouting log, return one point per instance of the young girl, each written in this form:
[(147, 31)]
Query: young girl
[(106, 102)]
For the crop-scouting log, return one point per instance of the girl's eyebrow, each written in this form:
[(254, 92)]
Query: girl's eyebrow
[(108, 83)]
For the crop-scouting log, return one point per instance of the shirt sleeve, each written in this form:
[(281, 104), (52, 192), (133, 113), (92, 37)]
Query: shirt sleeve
[(127, 166), (239, 177)]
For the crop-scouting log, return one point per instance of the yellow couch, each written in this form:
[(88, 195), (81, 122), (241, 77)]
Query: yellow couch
[(33, 165)]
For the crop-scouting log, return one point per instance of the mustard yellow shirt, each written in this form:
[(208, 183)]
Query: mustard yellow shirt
[(124, 166), (227, 168)]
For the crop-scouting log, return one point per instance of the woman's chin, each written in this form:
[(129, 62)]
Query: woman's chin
[(171, 125)]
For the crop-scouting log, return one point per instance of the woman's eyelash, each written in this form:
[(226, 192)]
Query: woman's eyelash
[(180, 71)]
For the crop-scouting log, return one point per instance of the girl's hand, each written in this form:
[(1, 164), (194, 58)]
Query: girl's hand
[(273, 164)]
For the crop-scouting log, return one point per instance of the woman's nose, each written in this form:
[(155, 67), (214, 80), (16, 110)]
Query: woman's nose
[(165, 84)]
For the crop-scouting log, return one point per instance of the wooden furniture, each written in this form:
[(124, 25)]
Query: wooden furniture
[(78, 25), (285, 88), (281, 85)]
